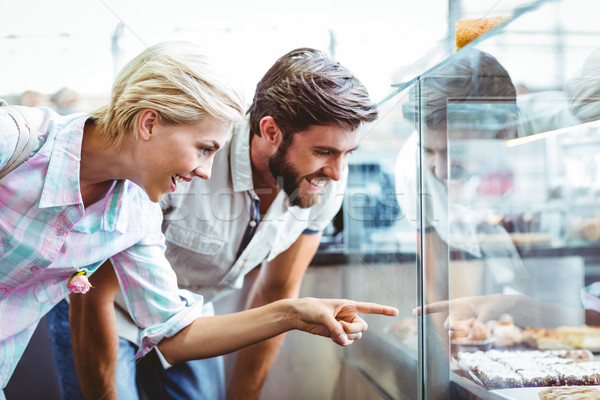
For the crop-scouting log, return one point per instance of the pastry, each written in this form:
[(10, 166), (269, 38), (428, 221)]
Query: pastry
[(570, 393), (468, 30), (505, 332), (497, 369)]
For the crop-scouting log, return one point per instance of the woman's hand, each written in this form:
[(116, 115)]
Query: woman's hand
[(336, 318)]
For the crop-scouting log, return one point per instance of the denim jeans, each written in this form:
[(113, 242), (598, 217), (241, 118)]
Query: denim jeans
[(60, 337), (143, 379), (198, 379)]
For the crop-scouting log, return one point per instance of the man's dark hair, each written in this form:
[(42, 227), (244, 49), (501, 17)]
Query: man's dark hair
[(305, 87), (476, 75)]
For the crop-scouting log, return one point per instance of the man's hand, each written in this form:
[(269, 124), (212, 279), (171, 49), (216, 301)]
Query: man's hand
[(94, 335)]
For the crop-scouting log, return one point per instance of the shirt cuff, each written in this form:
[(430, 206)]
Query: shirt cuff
[(165, 364), (151, 336), (590, 297), (310, 232)]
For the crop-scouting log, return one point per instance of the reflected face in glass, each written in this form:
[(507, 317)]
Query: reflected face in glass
[(304, 166), (435, 152)]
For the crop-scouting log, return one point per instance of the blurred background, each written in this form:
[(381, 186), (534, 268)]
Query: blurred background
[(68, 51), (80, 45)]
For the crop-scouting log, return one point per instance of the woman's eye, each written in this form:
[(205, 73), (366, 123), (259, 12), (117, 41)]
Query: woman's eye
[(205, 150)]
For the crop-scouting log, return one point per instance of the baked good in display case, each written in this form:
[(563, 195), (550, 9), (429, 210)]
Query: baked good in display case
[(563, 337), (500, 369), (469, 334), (581, 337), (532, 358), (544, 339), (468, 30), (505, 333), (570, 393)]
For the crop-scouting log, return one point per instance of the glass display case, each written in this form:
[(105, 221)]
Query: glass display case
[(473, 206)]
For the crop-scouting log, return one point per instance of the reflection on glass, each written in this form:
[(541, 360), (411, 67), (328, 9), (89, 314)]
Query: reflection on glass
[(497, 182)]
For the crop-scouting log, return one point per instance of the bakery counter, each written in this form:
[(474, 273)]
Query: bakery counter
[(342, 256), (390, 364)]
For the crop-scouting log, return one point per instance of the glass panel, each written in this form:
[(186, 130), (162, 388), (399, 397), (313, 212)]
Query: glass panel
[(497, 230), (380, 245), (509, 145)]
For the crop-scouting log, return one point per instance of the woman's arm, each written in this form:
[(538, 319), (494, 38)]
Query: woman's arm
[(211, 336)]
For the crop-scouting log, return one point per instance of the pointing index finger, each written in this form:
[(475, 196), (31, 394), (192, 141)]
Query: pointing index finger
[(374, 308)]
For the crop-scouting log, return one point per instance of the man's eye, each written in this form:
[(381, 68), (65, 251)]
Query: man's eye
[(322, 153)]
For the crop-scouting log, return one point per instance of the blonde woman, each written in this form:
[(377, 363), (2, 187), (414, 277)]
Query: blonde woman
[(89, 192)]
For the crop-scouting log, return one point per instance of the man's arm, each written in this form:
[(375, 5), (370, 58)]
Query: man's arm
[(277, 279), (94, 335)]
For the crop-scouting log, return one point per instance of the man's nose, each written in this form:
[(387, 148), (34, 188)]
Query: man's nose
[(334, 168), (441, 167)]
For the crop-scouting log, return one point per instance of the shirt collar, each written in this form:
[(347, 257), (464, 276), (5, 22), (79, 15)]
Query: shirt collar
[(116, 212), (239, 157), (61, 184)]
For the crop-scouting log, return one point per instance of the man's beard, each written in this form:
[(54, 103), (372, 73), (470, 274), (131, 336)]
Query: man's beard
[(289, 179)]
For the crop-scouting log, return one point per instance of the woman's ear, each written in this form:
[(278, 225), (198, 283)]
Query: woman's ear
[(146, 122), (270, 131)]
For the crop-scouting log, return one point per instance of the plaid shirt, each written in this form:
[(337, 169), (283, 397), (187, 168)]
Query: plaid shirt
[(46, 235)]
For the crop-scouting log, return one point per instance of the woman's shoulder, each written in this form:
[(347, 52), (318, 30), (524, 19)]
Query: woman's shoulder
[(9, 135)]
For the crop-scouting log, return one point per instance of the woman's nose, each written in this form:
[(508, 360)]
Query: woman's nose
[(203, 171)]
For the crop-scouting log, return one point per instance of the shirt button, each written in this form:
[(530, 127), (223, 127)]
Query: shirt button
[(190, 243), (2, 290), (253, 223), (34, 269)]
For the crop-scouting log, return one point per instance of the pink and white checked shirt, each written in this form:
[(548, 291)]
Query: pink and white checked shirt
[(46, 235)]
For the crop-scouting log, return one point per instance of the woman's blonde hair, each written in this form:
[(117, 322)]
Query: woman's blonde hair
[(175, 79)]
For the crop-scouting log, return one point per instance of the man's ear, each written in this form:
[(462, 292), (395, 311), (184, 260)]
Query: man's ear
[(270, 131), (146, 122)]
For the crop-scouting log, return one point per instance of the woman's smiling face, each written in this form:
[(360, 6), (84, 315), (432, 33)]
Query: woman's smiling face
[(176, 153)]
